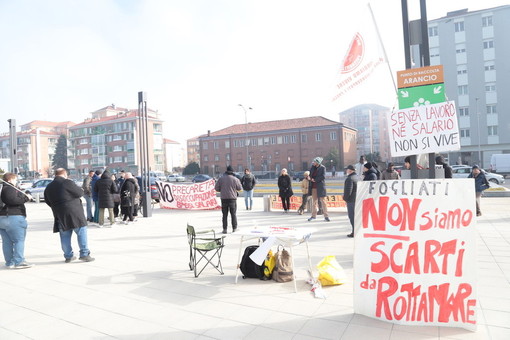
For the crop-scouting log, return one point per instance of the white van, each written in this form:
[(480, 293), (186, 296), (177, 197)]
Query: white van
[(500, 163)]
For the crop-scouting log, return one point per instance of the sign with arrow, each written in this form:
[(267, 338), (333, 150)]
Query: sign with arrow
[(420, 86)]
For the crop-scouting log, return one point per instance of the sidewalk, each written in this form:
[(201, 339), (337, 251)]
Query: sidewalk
[(140, 286)]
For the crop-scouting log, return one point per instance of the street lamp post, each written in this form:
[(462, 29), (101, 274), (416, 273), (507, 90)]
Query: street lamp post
[(246, 135), (478, 121)]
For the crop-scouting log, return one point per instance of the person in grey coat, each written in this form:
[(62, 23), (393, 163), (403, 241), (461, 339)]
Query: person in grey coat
[(63, 196), (228, 186), (317, 188)]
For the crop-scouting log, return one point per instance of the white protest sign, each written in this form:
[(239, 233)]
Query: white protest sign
[(415, 252), (424, 129), (196, 196)]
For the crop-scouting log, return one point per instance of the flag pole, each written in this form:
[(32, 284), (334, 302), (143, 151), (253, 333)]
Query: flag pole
[(382, 46)]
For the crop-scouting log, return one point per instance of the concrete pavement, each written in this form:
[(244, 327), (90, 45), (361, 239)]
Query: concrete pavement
[(140, 286)]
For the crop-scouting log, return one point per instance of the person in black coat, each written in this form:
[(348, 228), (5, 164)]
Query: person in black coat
[(128, 192), (448, 173), (370, 173), (13, 223), (350, 188), (105, 188), (63, 196), (285, 192)]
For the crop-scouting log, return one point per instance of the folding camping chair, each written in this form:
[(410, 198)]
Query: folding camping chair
[(206, 246)]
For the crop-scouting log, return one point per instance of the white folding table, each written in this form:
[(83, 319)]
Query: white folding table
[(288, 236)]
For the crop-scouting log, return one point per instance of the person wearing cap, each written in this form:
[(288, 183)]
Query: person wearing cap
[(369, 173), (318, 188), (447, 169), (349, 196), (228, 186), (305, 183), (481, 184), (390, 173)]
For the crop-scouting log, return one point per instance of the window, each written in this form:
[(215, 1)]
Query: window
[(459, 26), (462, 90), (117, 159), (84, 151), (492, 130), (216, 158), (272, 140), (227, 157), (117, 148), (461, 69), (205, 146), (216, 145), (158, 127), (463, 111), (488, 44), (460, 49), (486, 21), (84, 141), (332, 135), (84, 161), (285, 139), (117, 137), (253, 142), (433, 31), (490, 88), (491, 109), (318, 137), (227, 144), (303, 138), (489, 67), (464, 133), (293, 139), (206, 158)]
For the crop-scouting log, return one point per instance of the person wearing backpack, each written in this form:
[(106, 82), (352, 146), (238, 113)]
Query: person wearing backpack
[(13, 223)]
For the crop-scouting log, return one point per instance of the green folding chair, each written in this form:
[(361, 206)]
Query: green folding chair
[(204, 245)]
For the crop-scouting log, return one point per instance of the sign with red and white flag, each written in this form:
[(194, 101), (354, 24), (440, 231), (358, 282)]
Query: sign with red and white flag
[(364, 54)]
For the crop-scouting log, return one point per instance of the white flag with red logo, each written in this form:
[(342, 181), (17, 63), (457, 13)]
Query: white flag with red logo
[(364, 55)]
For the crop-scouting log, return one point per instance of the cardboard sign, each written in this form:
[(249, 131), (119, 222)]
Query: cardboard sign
[(424, 129), (415, 252), (196, 196)]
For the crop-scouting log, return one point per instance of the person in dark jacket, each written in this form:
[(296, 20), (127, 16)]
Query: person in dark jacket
[(369, 173), (248, 182), (317, 188), (285, 189), (13, 223), (481, 184), (93, 181), (116, 197), (63, 196), (128, 192), (447, 169), (349, 196), (87, 190), (105, 188), (228, 186)]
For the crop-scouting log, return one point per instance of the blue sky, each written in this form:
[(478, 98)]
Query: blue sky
[(197, 60)]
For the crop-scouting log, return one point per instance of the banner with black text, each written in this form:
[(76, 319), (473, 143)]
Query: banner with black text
[(196, 196)]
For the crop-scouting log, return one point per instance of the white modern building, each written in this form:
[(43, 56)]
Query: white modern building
[(474, 48)]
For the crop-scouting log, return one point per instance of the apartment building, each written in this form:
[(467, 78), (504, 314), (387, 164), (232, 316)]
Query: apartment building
[(370, 121), (109, 138), (270, 146), (474, 49)]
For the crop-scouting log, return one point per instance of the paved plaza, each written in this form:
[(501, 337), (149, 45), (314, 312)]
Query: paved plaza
[(140, 286)]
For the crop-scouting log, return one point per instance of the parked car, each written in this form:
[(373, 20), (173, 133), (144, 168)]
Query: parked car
[(153, 187), (175, 178), (38, 188), (298, 175), (200, 178), (463, 172), (25, 184)]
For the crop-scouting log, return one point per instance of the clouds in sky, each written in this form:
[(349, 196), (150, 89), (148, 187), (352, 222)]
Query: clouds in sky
[(197, 60)]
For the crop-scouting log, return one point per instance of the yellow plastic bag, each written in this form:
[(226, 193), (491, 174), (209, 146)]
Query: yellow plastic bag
[(331, 272)]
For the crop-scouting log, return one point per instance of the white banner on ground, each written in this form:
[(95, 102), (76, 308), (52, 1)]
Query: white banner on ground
[(424, 129), (196, 196), (415, 252)]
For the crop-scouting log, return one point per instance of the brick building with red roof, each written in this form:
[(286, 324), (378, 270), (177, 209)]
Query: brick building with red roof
[(273, 145)]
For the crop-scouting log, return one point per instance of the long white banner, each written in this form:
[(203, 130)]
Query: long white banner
[(415, 252), (196, 196)]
